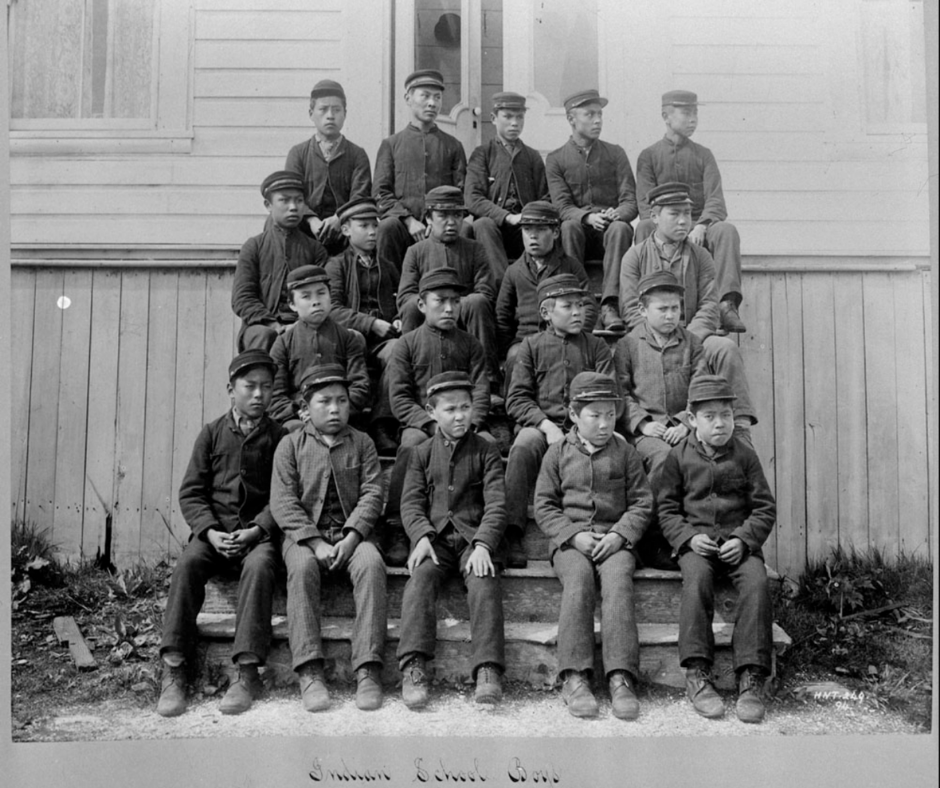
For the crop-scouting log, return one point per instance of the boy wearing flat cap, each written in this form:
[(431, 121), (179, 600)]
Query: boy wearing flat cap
[(411, 163), (503, 175), (224, 499), (436, 346), (592, 186), (668, 249), (314, 339), (334, 170), (593, 502), (675, 158), (716, 510), (538, 396), (362, 292), (326, 495), (258, 294), (453, 510), (445, 211)]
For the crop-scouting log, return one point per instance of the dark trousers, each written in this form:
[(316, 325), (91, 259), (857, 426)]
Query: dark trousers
[(419, 605), (304, 615), (752, 640), (620, 640), (198, 563), (409, 438), (502, 242), (522, 469), (377, 357), (585, 243)]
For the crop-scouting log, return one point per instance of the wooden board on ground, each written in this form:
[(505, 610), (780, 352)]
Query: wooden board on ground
[(67, 631)]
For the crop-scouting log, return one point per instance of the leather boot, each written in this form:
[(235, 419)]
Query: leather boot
[(241, 692), (172, 701), (705, 699), (489, 682), (623, 698), (750, 706), (414, 685), (576, 692), (369, 686), (313, 692)]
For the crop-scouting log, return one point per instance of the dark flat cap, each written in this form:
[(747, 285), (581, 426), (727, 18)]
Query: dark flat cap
[(253, 357), (508, 100), (283, 179), (659, 280), (440, 279), (425, 78), (444, 198), (557, 286), (583, 97), (316, 376), (328, 87), (446, 381), (674, 193), (680, 98), (360, 208), (708, 387), (306, 275), (540, 212), (593, 387)]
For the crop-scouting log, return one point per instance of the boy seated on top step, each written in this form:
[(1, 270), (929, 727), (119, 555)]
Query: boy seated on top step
[(224, 499), (326, 495), (314, 339), (538, 394), (453, 510), (716, 510), (593, 501)]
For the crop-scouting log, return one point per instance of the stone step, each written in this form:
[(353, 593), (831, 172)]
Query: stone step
[(530, 651)]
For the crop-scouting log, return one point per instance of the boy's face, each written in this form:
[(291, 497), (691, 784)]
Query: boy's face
[(713, 422), (662, 311), (328, 115), (329, 408), (453, 412), (596, 421), (251, 391), (509, 123), (440, 308), (311, 302), (673, 222), (539, 239), (445, 225), (361, 233), (681, 120), (587, 121), (425, 103), (566, 315), (286, 207)]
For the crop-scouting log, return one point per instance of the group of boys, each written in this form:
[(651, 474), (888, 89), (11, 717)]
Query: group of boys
[(402, 331)]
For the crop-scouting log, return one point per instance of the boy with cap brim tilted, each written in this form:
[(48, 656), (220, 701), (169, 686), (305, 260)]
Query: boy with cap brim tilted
[(258, 294), (334, 170), (362, 292), (224, 498), (326, 495), (445, 248), (453, 510), (503, 175), (675, 158), (716, 510), (668, 249), (411, 163), (592, 186), (593, 501), (314, 339), (436, 346), (538, 396)]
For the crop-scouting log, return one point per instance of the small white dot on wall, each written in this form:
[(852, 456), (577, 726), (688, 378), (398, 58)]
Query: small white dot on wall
[(64, 302)]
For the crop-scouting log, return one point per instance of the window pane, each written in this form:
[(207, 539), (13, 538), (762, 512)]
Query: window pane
[(565, 48), (438, 44)]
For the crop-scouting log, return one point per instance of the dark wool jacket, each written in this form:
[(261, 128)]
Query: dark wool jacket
[(580, 185), (347, 174), (517, 308), (490, 173), (411, 163), (258, 294), (600, 492), (464, 255), (455, 483), (303, 465), (228, 481), (343, 271), (302, 345), (723, 496)]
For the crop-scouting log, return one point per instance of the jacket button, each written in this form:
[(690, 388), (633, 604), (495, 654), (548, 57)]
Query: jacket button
[(244, 472), (450, 487), (450, 513)]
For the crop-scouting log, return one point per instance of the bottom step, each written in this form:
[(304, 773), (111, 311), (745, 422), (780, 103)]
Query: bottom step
[(530, 651)]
